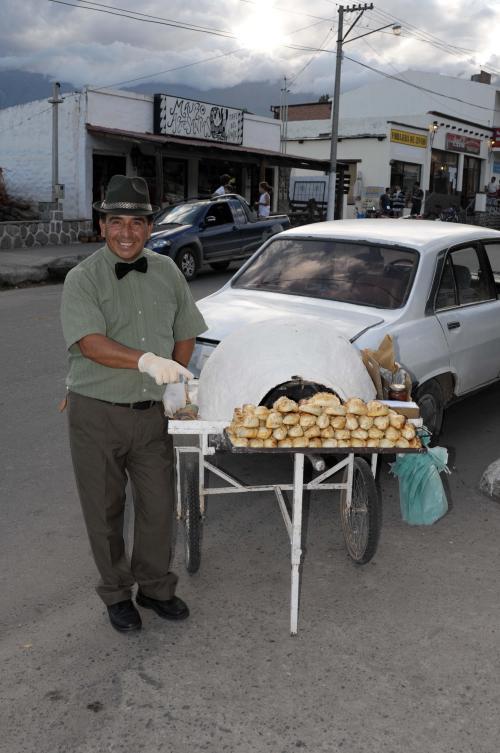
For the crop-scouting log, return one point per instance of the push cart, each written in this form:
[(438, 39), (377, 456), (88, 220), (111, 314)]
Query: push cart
[(360, 505)]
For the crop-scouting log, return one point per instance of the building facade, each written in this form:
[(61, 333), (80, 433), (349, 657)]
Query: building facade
[(105, 132), (441, 132)]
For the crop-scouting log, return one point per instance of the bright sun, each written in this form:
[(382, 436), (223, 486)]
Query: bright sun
[(262, 30)]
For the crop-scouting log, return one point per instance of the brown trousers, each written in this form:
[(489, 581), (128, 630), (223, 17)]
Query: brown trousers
[(107, 443)]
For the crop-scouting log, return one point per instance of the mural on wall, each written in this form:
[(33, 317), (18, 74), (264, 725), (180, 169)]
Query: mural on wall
[(175, 116)]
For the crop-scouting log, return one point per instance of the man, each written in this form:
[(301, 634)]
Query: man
[(416, 199), (398, 201), (129, 322), (492, 187), (225, 185), (385, 202)]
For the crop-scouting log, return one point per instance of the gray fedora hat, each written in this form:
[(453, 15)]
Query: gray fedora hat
[(126, 195)]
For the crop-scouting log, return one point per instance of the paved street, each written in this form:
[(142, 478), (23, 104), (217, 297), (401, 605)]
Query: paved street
[(399, 656)]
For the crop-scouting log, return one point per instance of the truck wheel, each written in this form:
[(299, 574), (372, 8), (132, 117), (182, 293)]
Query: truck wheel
[(187, 262), (219, 266), (430, 400)]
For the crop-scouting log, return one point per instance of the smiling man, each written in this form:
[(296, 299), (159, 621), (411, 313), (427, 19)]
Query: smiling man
[(129, 322)]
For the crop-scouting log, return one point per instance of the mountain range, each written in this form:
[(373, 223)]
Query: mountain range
[(18, 87)]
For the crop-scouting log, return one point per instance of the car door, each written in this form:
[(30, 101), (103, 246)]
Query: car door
[(219, 233), (250, 233), (468, 311)]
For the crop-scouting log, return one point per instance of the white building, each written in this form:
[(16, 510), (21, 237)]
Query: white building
[(435, 130), (180, 150)]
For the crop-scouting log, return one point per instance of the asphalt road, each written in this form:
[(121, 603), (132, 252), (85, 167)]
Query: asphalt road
[(398, 656)]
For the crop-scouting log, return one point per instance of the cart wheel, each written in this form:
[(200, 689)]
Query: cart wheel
[(361, 524), (191, 513)]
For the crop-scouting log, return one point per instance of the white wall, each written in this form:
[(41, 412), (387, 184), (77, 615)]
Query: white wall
[(26, 152), (261, 133), (118, 109)]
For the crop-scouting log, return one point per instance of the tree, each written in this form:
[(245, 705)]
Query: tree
[(324, 98)]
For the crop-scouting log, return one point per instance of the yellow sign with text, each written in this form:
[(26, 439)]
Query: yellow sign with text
[(409, 139)]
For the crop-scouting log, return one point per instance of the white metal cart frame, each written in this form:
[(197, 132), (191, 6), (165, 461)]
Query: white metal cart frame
[(293, 522)]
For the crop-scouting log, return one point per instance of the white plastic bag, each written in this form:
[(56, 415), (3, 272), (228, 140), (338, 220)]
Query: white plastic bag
[(174, 398)]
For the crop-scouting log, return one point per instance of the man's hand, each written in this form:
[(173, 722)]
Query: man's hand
[(162, 370)]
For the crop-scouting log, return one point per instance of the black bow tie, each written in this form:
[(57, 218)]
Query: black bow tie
[(122, 269)]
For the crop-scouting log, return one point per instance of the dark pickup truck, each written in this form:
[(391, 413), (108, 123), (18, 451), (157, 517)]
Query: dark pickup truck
[(214, 231)]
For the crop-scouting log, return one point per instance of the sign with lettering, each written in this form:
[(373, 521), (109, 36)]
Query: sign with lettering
[(458, 142), (408, 139), (175, 116)]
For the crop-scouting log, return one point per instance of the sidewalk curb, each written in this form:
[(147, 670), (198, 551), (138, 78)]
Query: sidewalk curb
[(33, 266)]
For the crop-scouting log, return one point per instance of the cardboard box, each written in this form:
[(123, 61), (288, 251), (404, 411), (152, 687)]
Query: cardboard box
[(408, 409)]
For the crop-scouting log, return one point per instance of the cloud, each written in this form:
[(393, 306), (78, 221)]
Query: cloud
[(97, 48)]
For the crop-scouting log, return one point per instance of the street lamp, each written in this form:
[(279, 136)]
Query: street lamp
[(342, 39)]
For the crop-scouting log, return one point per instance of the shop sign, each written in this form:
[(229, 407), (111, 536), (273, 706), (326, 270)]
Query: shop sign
[(457, 142), (496, 168), (176, 116), (408, 139)]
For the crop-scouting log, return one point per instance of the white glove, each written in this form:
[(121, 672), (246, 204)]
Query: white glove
[(162, 370), (174, 398)]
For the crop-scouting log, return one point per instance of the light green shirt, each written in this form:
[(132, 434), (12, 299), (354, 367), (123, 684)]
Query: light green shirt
[(149, 312)]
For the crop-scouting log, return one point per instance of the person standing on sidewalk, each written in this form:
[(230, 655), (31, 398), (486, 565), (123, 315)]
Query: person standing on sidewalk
[(129, 322)]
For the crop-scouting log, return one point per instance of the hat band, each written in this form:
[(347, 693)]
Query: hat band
[(126, 205)]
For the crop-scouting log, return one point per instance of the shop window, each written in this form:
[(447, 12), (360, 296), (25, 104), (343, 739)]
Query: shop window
[(174, 181), (444, 168), (405, 175)]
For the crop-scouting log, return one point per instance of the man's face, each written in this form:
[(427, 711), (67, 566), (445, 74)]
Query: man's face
[(126, 235)]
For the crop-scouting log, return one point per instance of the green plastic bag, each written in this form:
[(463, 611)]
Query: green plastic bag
[(421, 493)]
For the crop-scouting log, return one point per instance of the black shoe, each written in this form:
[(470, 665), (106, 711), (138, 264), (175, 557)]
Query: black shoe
[(173, 609), (124, 616)]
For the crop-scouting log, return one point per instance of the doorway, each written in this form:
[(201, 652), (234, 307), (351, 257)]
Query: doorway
[(104, 166)]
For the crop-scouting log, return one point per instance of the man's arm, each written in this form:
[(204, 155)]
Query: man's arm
[(183, 350), (107, 352)]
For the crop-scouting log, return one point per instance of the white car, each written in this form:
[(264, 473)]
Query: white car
[(433, 286)]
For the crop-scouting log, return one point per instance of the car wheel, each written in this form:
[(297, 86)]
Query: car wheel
[(187, 263), (219, 266), (430, 400)]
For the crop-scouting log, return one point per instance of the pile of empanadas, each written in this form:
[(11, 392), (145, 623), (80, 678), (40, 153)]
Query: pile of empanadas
[(321, 421)]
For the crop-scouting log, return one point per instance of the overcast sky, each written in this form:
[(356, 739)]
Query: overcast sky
[(256, 40)]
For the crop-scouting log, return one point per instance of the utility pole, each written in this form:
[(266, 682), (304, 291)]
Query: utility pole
[(330, 211), (284, 115), (55, 101)]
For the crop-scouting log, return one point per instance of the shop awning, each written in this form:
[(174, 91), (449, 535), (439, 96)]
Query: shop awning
[(214, 149)]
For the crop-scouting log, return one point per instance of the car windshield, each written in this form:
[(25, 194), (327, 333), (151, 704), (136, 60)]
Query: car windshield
[(184, 214), (362, 273)]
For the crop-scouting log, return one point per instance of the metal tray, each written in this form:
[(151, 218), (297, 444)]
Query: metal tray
[(226, 445)]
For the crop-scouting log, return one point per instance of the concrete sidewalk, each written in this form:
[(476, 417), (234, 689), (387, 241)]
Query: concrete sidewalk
[(31, 265)]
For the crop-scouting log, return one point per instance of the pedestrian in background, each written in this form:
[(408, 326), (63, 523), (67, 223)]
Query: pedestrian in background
[(224, 187), (264, 202), (129, 321), (385, 202), (416, 199), (398, 201)]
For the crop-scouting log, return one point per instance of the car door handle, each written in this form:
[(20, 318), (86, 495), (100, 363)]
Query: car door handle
[(453, 325)]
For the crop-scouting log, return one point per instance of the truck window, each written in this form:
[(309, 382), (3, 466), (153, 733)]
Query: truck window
[(221, 212), (239, 213)]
